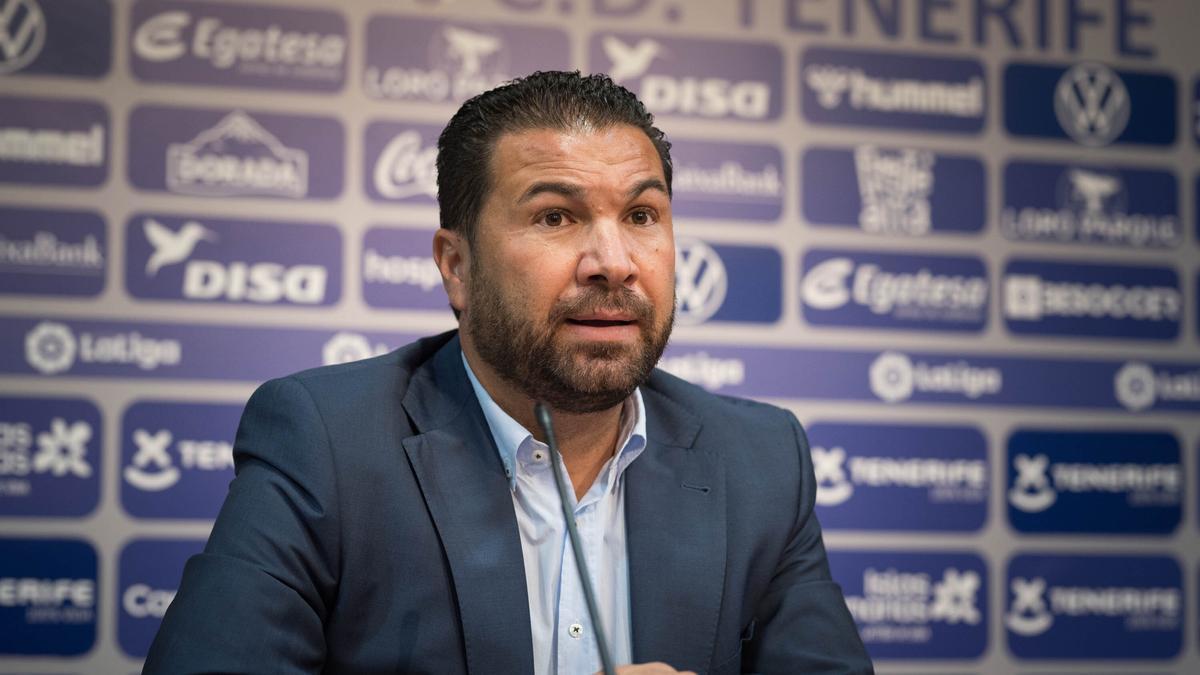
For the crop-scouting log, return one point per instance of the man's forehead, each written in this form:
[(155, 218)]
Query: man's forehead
[(579, 148)]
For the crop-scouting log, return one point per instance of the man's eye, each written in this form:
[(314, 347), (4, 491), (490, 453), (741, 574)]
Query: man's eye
[(642, 217), (553, 219)]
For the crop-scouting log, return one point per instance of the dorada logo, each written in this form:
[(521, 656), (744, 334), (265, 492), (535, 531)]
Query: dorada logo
[(61, 450), (895, 378), (406, 168), (162, 38), (837, 86), (1029, 297), (345, 347), (235, 280), (835, 487), (1092, 104), (1144, 483), (53, 146), (895, 187), (153, 469), (701, 281), (1138, 387), (709, 372), (1141, 607), (900, 597), (704, 97), (52, 348), (462, 63), (835, 282), (237, 157), (22, 34)]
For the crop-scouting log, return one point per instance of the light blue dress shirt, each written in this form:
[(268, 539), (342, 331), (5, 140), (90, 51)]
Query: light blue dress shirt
[(563, 639)]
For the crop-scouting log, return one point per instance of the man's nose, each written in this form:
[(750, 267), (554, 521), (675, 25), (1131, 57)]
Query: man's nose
[(608, 256)]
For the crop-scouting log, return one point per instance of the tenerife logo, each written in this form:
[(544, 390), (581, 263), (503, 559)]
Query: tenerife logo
[(710, 372), (895, 188), (346, 346), (1138, 386), (153, 469), (22, 34), (1092, 104), (227, 280), (213, 43), (700, 281), (1028, 614), (406, 167), (52, 348), (1031, 492), (894, 378), (936, 475), (47, 596), (745, 91), (236, 157)]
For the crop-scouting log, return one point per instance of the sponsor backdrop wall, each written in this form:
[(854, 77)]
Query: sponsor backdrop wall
[(958, 238)]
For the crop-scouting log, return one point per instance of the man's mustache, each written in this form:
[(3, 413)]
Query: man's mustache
[(593, 300)]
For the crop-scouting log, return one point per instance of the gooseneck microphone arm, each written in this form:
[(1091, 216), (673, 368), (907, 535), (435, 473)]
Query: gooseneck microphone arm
[(543, 417)]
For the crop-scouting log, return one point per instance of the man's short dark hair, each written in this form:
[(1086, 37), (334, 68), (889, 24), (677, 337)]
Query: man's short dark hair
[(544, 100)]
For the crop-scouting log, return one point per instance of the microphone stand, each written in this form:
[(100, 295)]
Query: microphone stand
[(543, 416)]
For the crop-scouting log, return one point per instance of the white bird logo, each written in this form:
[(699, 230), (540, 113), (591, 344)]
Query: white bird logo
[(629, 61), (1094, 188), (470, 47), (171, 247)]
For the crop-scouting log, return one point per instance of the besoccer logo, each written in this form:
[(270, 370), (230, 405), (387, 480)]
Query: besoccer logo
[(1092, 104), (700, 281), (1032, 491), (22, 34), (152, 469), (1028, 614), (833, 487), (1134, 386), (50, 347), (891, 377), (63, 449)]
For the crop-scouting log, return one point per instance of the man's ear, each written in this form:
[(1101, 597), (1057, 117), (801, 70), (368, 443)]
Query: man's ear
[(453, 258)]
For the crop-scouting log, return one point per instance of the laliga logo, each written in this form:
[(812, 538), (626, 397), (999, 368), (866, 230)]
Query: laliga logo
[(405, 168), (50, 347), (700, 281), (1029, 614), (891, 377), (1134, 386), (824, 287), (151, 468), (833, 487), (345, 347), (1032, 491), (1092, 104), (22, 34)]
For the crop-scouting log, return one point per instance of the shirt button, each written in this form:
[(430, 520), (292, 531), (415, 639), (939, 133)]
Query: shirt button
[(575, 630), (538, 455)]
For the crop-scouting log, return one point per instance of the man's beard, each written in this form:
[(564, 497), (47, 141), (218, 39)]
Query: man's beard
[(575, 378)]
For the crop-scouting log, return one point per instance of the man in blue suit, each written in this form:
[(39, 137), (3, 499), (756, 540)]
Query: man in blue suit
[(398, 514)]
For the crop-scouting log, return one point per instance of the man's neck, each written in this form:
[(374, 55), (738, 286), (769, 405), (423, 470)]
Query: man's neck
[(586, 440)]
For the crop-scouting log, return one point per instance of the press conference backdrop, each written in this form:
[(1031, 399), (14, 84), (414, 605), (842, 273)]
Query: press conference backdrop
[(957, 237)]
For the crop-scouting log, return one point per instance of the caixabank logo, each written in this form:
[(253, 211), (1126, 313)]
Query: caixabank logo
[(726, 282), (734, 181), (57, 142), (148, 579), (48, 597), (1042, 297), (238, 44), (1087, 204), (398, 272), (1089, 103), (410, 58), (906, 192), (890, 90), (400, 162), (894, 290), (238, 153), (203, 259), (1103, 482), (710, 79), (176, 458), (50, 459), (70, 38), (916, 605), (52, 252), (900, 477), (1094, 607)]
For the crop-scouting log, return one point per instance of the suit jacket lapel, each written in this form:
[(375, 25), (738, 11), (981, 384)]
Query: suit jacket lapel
[(463, 482), (675, 530)]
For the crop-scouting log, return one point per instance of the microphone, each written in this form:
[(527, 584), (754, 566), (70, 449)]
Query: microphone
[(543, 417)]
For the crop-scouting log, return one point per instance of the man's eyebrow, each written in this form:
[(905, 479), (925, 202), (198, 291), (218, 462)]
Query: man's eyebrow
[(564, 189), (648, 184)]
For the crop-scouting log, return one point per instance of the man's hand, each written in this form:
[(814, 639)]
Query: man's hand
[(655, 668)]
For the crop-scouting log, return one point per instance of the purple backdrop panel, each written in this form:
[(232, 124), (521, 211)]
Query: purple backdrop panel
[(52, 252), (61, 142)]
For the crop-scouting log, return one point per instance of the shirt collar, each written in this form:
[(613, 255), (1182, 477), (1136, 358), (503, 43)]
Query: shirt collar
[(510, 435)]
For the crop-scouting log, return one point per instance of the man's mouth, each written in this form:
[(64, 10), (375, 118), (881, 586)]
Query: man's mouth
[(600, 323)]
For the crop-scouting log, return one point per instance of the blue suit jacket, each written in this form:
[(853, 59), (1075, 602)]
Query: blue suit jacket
[(370, 529)]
